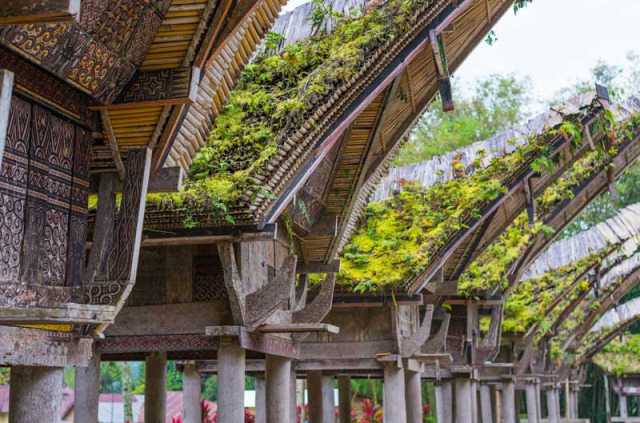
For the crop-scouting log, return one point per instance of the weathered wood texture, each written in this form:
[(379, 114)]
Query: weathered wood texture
[(6, 89), (35, 385), (34, 347), (45, 11)]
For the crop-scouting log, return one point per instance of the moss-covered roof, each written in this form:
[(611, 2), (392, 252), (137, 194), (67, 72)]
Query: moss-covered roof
[(620, 357)]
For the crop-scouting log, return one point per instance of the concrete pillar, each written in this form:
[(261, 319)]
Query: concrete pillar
[(191, 392), (278, 395), (622, 400), (87, 391), (155, 388), (344, 399), (552, 406), (508, 402), (314, 390), (539, 400), (395, 409), (485, 403), (474, 401), (444, 402), (231, 366), (532, 403), (328, 403), (463, 400), (413, 394), (261, 400), (35, 395), (294, 403)]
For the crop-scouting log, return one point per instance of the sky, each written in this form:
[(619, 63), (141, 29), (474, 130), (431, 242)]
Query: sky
[(554, 42)]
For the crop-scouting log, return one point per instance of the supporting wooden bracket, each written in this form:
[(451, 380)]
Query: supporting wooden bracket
[(442, 70), (318, 309), (299, 296), (6, 88), (103, 234), (409, 346), (261, 304), (233, 282), (490, 344), (523, 365), (438, 343), (531, 203)]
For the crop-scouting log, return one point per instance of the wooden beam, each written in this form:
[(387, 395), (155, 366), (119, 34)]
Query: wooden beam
[(327, 225), (6, 88), (201, 235), (14, 12), (315, 267), (166, 179), (298, 327), (35, 347), (66, 313), (409, 346), (233, 282), (162, 87), (103, 233), (113, 143)]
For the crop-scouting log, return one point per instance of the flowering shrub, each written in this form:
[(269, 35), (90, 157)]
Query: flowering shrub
[(372, 412)]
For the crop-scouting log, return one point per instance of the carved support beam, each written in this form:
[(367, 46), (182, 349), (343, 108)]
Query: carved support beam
[(490, 344), (442, 70), (6, 88), (113, 143), (259, 342), (299, 297), (34, 347), (317, 310), (233, 282), (523, 365), (13, 12), (438, 343), (261, 304), (103, 233), (161, 87), (409, 346)]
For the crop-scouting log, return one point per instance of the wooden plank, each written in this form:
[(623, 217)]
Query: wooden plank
[(65, 313), (166, 179), (34, 347), (103, 233), (13, 12), (6, 88), (317, 267), (298, 327), (344, 350), (113, 143)]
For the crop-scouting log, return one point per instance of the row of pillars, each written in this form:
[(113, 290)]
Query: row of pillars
[(457, 402)]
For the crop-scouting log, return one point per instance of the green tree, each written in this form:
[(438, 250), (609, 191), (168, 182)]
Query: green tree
[(498, 103)]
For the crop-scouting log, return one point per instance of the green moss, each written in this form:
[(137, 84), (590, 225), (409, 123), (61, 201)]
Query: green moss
[(620, 357)]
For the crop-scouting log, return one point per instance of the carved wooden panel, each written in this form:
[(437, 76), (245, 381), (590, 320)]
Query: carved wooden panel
[(157, 85), (100, 53), (150, 287), (37, 183), (208, 279)]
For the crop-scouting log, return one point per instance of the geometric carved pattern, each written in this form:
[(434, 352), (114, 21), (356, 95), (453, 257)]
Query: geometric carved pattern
[(42, 154), (157, 85), (129, 344), (208, 279), (100, 53)]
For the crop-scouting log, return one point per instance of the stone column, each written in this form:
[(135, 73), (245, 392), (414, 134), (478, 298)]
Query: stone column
[(87, 391), (485, 403), (314, 390), (508, 402), (344, 399), (294, 404), (444, 402), (278, 396), (622, 401), (191, 392), (539, 400), (261, 401), (395, 409), (35, 395), (413, 394), (552, 406), (231, 369), (532, 403), (463, 400), (576, 404), (155, 388), (328, 402), (474, 401)]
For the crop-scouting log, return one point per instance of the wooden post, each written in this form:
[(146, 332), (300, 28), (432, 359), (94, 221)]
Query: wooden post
[(508, 402), (36, 394), (278, 392), (607, 398), (532, 403), (87, 391), (538, 400), (155, 388), (191, 391), (261, 404), (485, 403), (552, 406), (344, 394), (474, 401), (444, 402), (395, 410), (6, 88), (314, 387), (328, 403), (463, 400), (294, 397), (622, 405), (413, 394), (231, 369)]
